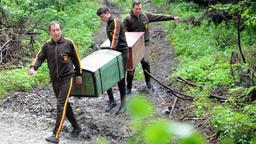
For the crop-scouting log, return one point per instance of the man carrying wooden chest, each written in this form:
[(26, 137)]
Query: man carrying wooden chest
[(116, 35), (137, 21)]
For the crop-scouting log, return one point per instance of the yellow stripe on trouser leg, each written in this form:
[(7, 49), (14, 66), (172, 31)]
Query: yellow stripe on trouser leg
[(64, 109)]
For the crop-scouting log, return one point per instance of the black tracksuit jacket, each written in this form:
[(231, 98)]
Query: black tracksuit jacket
[(133, 23), (116, 34), (61, 56)]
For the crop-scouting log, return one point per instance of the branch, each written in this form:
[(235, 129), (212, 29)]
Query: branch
[(180, 79), (173, 91), (3, 46), (217, 97), (238, 34), (173, 105)]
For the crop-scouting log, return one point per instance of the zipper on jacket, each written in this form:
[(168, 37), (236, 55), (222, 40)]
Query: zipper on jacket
[(56, 58)]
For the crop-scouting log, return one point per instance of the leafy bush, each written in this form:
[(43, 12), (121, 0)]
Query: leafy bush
[(18, 80), (233, 126)]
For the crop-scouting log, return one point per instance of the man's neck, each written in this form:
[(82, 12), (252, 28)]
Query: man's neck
[(56, 39)]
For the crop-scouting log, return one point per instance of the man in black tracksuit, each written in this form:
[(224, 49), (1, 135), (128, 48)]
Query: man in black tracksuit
[(61, 56), (116, 35), (137, 21)]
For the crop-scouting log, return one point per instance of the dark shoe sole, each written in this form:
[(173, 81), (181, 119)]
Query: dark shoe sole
[(121, 110), (109, 109), (56, 142)]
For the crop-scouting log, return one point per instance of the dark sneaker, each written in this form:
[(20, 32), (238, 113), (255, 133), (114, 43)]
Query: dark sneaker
[(128, 91), (149, 85), (111, 105), (52, 139), (75, 132), (121, 109)]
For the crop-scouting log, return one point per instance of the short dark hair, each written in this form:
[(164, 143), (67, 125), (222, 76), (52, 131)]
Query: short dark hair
[(102, 10), (136, 2), (53, 23)]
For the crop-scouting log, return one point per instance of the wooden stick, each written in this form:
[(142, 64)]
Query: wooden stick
[(173, 91), (217, 97), (173, 105), (180, 79)]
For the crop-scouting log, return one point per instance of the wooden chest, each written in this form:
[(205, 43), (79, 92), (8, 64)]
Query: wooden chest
[(101, 70), (136, 48)]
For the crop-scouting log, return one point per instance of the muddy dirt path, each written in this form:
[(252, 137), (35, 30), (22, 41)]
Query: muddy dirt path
[(29, 117)]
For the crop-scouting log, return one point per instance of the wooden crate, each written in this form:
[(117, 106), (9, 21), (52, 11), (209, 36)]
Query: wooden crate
[(101, 70), (136, 48)]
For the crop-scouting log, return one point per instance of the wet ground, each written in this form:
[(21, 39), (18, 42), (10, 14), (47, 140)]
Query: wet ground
[(29, 117)]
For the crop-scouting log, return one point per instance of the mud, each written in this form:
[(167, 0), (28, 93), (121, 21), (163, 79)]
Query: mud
[(29, 117)]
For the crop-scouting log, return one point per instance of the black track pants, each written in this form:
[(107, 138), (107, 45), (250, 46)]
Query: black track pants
[(130, 74), (121, 84), (62, 89)]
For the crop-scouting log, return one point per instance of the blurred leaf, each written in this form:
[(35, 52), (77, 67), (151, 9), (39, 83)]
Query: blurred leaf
[(158, 132), (139, 107), (194, 138)]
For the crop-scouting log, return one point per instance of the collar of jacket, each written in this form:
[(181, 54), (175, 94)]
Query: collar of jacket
[(132, 14), (61, 40), (111, 18)]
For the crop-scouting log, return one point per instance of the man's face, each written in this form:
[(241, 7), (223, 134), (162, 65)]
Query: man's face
[(105, 17), (137, 9), (55, 32)]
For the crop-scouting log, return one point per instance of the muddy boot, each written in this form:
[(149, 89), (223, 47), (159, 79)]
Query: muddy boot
[(149, 85), (128, 90), (52, 139), (110, 107), (75, 132), (122, 107), (111, 103), (129, 79)]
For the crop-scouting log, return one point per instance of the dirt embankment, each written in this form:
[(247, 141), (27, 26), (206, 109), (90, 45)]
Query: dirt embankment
[(28, 118)]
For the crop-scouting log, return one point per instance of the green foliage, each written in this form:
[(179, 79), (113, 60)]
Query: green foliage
[(204, 58), (194, 138), (18, 80), (139, 107), (245, 8), (126, 5), (202, 102), (234, 126), (249, 14), (158, 132), (185, 10), (138, 74), (81, 27)]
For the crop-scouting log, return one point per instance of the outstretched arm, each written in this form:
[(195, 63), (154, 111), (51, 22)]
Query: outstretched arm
[(161, 17)]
